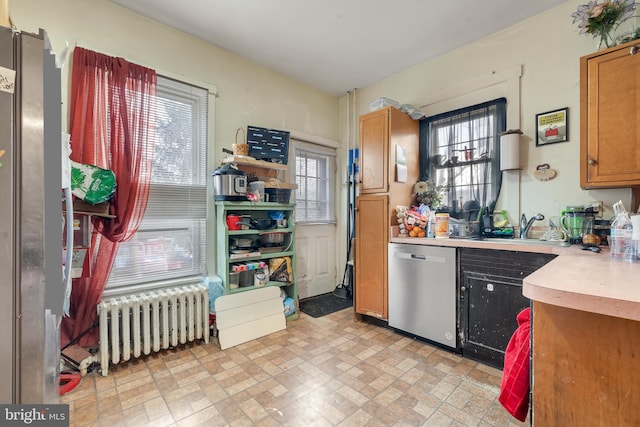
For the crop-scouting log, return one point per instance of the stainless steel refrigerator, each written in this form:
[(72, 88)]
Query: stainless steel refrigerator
[(31, 283)]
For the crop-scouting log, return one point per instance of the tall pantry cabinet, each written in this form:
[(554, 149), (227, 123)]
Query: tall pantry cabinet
[(387, 137)]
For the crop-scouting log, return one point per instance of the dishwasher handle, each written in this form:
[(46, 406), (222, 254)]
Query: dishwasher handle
[(418, 257), (406, 255)]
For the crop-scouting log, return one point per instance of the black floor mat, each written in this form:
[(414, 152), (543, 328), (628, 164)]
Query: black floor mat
[(322, 305)]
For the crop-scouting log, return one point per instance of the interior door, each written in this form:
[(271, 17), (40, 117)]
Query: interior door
[(314, 170)]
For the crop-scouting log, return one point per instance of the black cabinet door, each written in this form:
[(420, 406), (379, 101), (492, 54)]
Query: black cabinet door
[(489, 306), (491, 298)]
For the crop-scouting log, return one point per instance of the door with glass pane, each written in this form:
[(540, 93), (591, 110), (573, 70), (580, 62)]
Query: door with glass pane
[(315, 170)]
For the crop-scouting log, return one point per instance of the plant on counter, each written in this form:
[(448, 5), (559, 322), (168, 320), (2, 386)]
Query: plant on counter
[(600, 19), (428, 193)]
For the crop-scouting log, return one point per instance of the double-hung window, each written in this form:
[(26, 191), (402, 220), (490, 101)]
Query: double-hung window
[(459, 150), (169, 247), (315, 174)]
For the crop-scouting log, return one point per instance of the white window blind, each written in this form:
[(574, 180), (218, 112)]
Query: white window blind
[(170, 243), (315, 174)]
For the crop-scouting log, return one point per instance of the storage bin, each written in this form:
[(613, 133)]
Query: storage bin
[(278, 195), (234, 280), (246, 278), (270, 145), (383, 102)]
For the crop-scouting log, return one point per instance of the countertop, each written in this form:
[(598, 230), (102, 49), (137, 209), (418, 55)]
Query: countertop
[(592, 284), (576, 279), (498, 244)]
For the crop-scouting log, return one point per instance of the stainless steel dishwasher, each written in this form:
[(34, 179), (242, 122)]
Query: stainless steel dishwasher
[(422, 292)]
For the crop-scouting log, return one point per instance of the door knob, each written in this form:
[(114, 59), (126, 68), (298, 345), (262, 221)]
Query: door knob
[(591, 162), (633, 50), (463, 289)]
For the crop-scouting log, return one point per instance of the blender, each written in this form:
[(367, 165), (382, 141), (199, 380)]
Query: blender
[(578, 221)]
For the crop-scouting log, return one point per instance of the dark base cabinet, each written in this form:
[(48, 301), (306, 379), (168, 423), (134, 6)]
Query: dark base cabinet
[(491, 298)]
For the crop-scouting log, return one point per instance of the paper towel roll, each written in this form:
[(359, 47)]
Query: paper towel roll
[(510, 150)]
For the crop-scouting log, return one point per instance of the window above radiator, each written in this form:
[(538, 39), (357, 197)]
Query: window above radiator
[(169, 245)]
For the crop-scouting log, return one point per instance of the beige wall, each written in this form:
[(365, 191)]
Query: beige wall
[(544, 50), (247, 93), (547, 49)]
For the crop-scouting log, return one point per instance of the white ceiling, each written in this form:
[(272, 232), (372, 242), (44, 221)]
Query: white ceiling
[(339, 45)]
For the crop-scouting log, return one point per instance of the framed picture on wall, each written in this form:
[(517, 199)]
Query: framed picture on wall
[(552, 127)]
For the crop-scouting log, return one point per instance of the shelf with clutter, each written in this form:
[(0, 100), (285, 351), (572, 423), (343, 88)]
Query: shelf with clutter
[(256, 248), (91, 189), (255, 219), (263, 155)]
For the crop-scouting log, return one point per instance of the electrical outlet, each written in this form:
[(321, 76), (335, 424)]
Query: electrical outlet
[(600, 206)]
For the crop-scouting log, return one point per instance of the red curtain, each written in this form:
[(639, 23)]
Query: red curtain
[(112, 118)]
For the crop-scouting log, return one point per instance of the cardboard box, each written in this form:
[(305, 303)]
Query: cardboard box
[(101, 209)]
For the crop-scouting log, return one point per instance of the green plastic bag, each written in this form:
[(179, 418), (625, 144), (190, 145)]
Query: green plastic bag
[(92, 184)]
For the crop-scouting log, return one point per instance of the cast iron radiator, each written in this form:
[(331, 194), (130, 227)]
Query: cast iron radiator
[(135, 325)]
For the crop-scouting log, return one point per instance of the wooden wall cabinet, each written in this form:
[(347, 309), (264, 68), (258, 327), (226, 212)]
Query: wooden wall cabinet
[(610, 118), (381, 132)]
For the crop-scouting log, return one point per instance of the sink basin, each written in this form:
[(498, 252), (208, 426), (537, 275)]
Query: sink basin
[(531, 242)]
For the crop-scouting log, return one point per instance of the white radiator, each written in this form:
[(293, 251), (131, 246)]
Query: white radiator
[(135, 325)]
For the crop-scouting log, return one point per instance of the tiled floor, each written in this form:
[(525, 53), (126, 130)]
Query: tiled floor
[(330, 371)]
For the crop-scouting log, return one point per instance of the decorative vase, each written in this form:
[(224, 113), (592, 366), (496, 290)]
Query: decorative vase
[(605, 40)]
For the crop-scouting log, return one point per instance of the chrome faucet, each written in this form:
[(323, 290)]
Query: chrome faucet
[(526, 225)]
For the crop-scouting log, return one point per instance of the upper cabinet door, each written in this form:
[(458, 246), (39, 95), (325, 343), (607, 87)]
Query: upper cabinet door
[(374, 152), (610, 117), (382, 134)]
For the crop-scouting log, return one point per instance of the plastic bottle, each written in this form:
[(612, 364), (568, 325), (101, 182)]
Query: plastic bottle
[(621, 239), (431, 226), (635, 236)]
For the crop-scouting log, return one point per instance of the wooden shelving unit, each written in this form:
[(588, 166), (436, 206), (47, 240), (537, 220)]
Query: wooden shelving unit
[(225, 262), (267, 171)]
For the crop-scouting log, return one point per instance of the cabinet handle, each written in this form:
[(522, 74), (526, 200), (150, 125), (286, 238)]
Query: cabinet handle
[(463, 289), (591, 162), (633, 50)]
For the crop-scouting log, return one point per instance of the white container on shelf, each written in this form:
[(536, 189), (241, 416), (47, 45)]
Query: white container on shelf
[(257, 189), (383, 102), (234, 280), (259, 278)]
